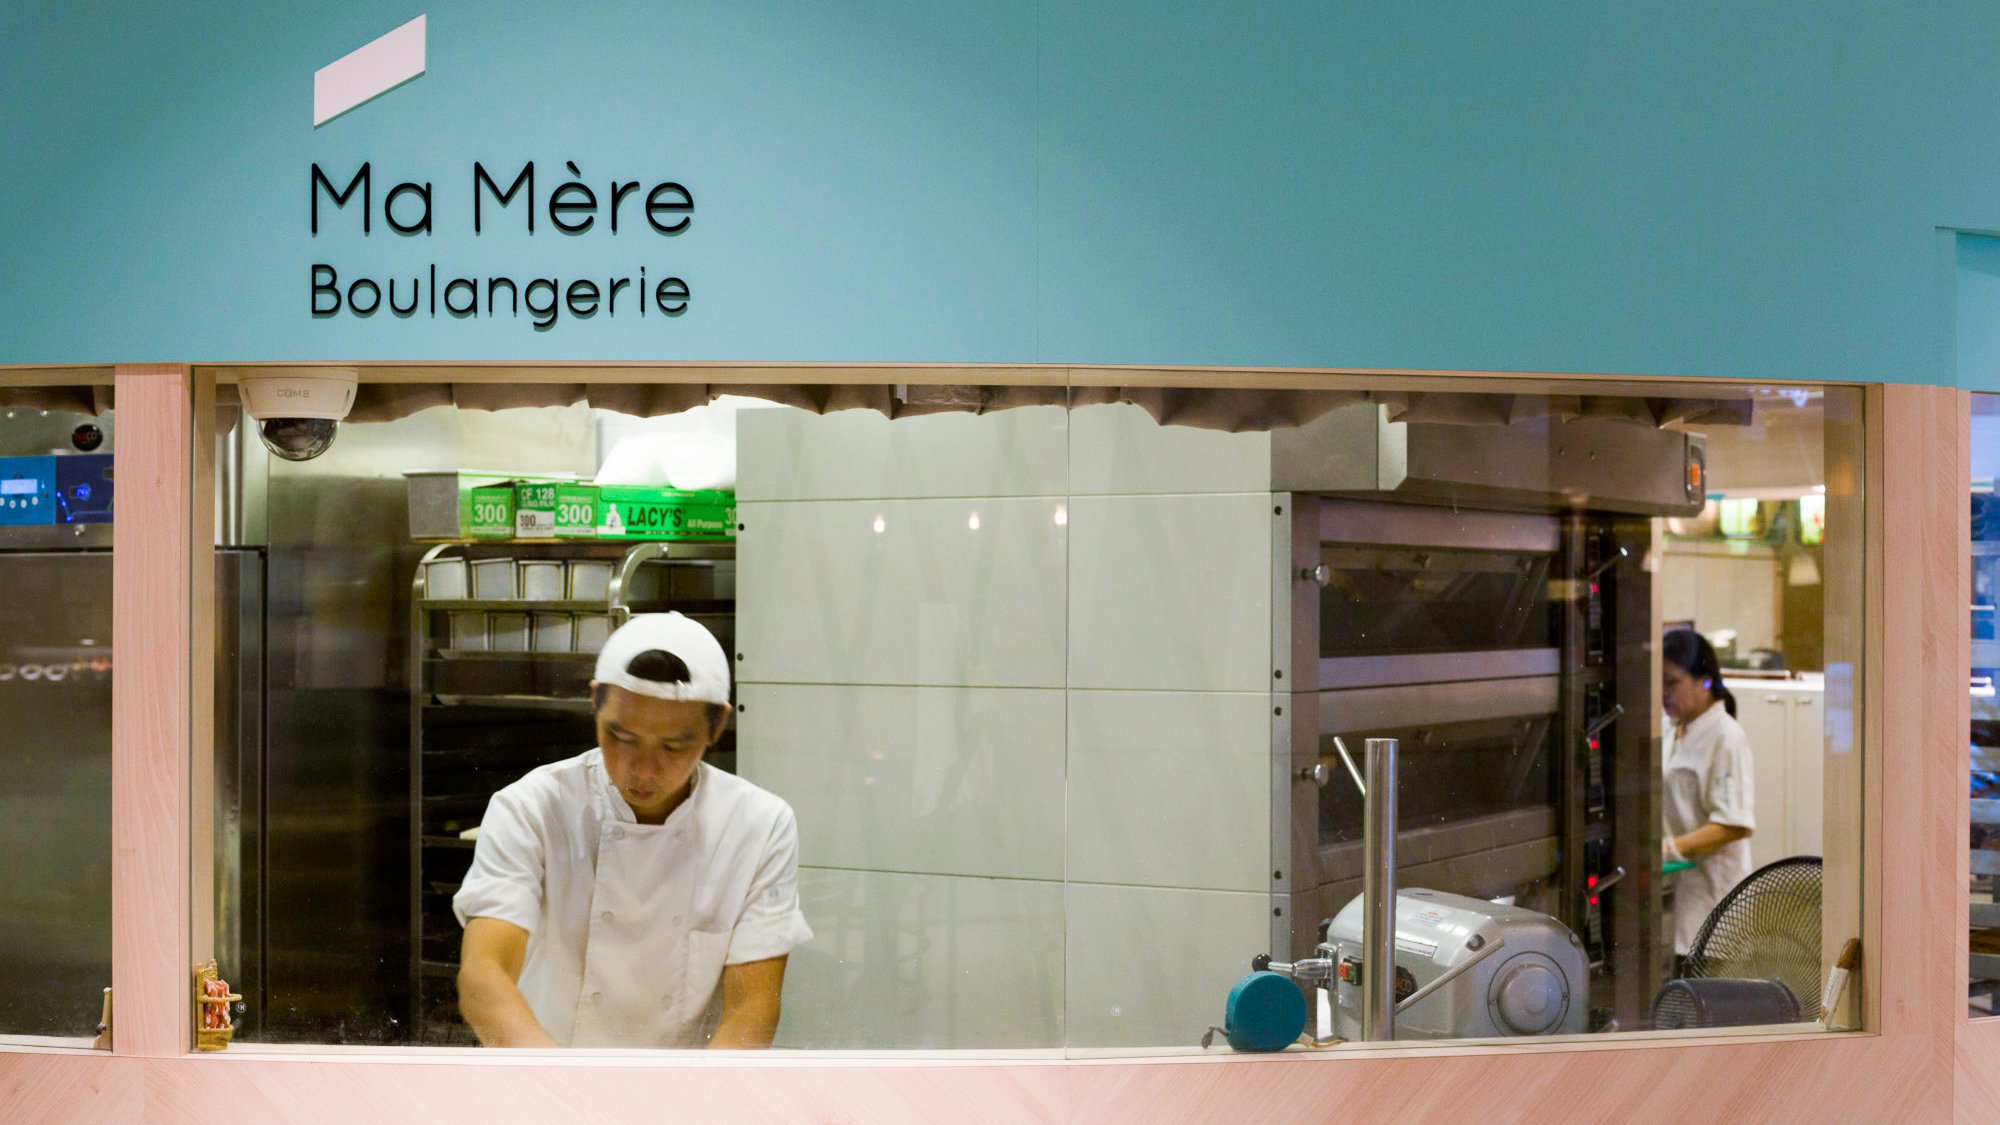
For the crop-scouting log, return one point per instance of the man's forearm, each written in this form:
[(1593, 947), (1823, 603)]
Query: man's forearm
[(497, 1011), (750, 1027)]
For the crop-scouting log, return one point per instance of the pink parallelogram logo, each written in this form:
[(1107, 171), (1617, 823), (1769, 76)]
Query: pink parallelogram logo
[(368, 72)]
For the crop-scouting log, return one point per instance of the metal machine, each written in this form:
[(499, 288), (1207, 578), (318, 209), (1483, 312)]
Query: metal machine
[(1465, 969), (1422, 964)]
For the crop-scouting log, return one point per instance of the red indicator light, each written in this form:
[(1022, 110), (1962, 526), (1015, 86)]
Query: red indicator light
[(1593, 587), (1590, 880), (1593, 900), (1593, 744)]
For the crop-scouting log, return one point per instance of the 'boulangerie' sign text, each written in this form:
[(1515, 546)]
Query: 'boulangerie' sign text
[(663, 209)]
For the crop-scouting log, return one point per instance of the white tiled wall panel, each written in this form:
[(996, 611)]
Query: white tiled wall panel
[(1121, 449), (1151, 967), (981, 655), (960, 592), (925, 962), (960, 781), (1171, 593), (1170, 789), (862, 454)]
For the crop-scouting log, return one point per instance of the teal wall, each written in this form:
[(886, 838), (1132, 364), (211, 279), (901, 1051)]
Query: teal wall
[(1976, 311), (1723, 189)]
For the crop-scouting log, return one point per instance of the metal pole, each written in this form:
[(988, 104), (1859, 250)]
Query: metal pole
[(1378, 895), (229, 489)]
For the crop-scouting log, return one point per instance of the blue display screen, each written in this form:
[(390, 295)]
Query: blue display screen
[(20, 486)]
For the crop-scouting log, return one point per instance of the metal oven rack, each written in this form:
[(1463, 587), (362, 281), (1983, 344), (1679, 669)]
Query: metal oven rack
[(480, 719)]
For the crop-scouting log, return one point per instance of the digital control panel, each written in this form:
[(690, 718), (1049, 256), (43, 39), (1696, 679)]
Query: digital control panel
[(27, 491), (40, 491)]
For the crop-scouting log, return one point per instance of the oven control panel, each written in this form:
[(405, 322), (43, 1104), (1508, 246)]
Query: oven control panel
[(27, 491), (41, 491)]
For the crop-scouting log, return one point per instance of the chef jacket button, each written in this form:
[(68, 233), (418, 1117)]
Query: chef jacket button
[(604, 917), (618, 833), (677, 920), (597, 998)]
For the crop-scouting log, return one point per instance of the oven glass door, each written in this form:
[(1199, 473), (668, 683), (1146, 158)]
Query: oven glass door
[(1384, 600)]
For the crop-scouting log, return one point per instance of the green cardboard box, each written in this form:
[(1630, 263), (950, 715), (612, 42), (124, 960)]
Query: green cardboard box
[(545, 509), (576, 511), (641, 512), (449, 504), (487, 511)]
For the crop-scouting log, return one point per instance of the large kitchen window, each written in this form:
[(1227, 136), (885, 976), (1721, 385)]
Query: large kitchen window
[(56, 484), (1083, 713)]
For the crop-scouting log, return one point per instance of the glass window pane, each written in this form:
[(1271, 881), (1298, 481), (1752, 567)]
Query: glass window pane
[(1507, 585), (422, 626), (1049, 708), (55, 690)]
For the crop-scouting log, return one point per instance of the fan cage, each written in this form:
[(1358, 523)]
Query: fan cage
[(1768, 927)]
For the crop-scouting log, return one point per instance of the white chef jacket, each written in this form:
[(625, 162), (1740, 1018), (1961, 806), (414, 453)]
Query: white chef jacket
[(1709, 779), (629, 925)]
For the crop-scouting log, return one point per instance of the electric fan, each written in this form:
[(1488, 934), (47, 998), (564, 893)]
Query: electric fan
[(1757, 957)]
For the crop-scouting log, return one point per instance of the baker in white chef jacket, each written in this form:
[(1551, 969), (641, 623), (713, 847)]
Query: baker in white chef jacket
[(1710, 783), (612, 893)]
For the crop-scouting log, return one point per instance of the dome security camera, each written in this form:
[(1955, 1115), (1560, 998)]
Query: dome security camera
[(296, 415)]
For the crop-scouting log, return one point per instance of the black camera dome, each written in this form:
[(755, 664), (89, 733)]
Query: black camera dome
[(297, 439)]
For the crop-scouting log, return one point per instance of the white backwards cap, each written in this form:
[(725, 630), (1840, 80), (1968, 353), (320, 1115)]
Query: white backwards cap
[(684, 639)]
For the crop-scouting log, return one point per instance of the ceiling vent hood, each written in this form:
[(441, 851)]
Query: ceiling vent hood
[(1535, 464)]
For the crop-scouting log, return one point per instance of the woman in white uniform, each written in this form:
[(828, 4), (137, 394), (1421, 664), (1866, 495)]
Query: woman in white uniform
[(1709, 785)]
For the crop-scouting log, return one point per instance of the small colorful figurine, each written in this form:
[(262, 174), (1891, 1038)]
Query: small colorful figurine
[(212, 998)]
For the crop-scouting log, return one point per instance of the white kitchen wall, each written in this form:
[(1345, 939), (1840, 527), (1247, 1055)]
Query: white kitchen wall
[(1171, 592), (1150, 966), (1720, 585), (860, 454), (925, 961), (950, 592), (1025, 726), (1120, 450), (1170, 789), (948, 781)]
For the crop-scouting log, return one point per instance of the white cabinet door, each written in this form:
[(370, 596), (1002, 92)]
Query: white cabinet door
[(1806, 782), (1766, 715), (1786, 724)]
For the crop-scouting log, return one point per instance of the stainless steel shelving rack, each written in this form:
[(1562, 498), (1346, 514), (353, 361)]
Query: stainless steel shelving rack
[(481, 719)]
